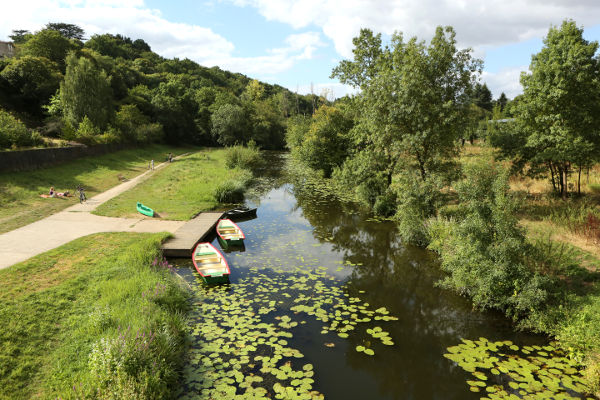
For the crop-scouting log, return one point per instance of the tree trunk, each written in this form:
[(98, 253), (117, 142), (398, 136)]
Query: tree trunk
[(565, 185), (552, 176), (579, 181)]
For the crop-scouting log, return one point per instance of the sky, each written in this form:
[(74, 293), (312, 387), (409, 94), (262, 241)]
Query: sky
[(296, 43)]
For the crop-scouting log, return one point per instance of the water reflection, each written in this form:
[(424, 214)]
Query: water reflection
[(298, 230)]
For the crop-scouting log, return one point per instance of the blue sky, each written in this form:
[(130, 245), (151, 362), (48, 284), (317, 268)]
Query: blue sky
[(297, 42)]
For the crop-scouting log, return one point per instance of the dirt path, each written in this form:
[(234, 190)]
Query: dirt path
[(75, 222)]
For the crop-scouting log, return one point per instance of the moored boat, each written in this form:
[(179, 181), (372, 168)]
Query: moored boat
[(145, 210), (210, 264), (229, 233), (240, 213)]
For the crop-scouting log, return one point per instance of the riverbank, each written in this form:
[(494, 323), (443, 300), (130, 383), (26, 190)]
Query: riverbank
[(20, 201), (181, 191), (100, 316), (558, 230)]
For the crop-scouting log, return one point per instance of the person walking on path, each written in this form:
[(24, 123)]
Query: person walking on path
[(152, 165), (170, 157), (82, 197)]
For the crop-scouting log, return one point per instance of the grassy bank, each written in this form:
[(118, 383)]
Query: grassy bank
[(181, 191), (20, 201), (91, 319), (566, 235)]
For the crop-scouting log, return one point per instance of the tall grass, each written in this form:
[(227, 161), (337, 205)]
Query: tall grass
[(98, 318), (244, 157)]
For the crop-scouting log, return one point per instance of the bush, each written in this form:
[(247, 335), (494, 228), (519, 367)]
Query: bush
[(485, 253), (87, 133), (13, 133), (417, 201), (230, 192), (243, 157)]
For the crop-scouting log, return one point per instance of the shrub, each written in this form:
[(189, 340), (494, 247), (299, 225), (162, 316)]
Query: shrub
[(86, 132), (13, 132), (417, 201), (485, 253), (230, 192), (243, 157)]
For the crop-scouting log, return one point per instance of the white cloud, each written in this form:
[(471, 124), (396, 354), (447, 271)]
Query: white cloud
[(169, 39), (478, 23), (506, 80)]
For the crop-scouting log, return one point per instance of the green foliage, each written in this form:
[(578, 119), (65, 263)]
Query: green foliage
[(417, 202), (87, 132), (31, 80), (69, 31), (13, 132), (230, 125), (560, 105), (86, 92), (244, 157), (404, 123), (49, 44), (485, 252), (483, 97), (324, 145), (96, 320), (230, 192), (176, 110), (135, 127)]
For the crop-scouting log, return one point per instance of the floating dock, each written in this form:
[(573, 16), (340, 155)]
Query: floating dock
[(186, 237)]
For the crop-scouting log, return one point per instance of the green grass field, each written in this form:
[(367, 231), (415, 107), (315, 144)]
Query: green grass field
[(89, 319), (179, 192), (20, 201)]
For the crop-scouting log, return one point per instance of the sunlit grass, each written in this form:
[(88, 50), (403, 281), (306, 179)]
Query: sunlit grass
[(57, 307), (181, 191), (20, 201)]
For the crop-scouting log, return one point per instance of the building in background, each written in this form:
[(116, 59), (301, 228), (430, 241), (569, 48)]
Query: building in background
[(7, 49)]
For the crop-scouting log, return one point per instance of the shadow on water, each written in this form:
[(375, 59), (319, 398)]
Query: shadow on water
[(359, 259)]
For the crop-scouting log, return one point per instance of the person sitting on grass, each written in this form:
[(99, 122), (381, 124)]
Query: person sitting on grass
[(52, 192)]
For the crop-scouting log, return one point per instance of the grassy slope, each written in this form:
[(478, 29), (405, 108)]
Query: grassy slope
[(20, 203), (178, 192), (57, 305)]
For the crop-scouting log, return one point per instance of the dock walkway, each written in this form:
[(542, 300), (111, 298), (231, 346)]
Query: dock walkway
[(186, 237)]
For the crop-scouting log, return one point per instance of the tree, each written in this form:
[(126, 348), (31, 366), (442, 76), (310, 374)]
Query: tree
[(502, 101), (48, 43), (33, 80), (229, 125), (559, 110), (86, 92), (324, 146), (483, 96), (414, 99), (19, 36), (68, 31)]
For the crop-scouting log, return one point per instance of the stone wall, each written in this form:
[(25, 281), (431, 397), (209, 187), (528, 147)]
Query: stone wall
[(24, 160)]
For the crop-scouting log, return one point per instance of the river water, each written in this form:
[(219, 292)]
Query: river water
[(308, 250)]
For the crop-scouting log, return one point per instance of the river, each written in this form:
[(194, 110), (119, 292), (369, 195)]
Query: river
[(355, 312)]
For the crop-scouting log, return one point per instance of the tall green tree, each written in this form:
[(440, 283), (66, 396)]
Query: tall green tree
[(230, 125), (68, 31), (414, 99), (48, 43), (502, 101), (483, 96), (19, 36), (559, 111), (85, 92)]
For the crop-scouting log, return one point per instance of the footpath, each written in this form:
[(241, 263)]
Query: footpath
[(75, 222)]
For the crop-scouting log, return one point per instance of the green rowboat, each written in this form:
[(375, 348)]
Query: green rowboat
[(210, 264), (145, 210), (229, 233)]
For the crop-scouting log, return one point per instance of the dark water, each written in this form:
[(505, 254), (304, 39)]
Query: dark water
[(368, 260)]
